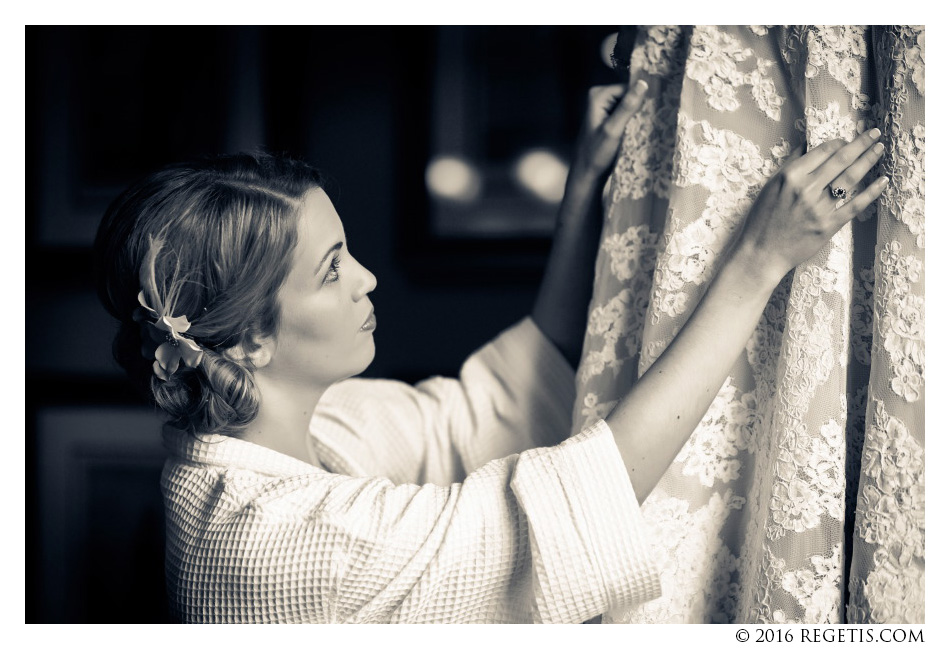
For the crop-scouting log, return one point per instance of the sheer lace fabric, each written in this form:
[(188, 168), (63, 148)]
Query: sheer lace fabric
[(800, 495)]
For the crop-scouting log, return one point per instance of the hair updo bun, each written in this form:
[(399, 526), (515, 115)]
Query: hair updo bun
[(211, 240)]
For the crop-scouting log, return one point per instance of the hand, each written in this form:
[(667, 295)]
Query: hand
[(795, 214), (609, 108)]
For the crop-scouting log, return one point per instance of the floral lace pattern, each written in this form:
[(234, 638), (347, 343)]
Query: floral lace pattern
[(632, 252), (652, 351), (763, 90), (698, 569), (904, 161), (909, 185), (712, 452), (827, 124), (894, 497), (909, 57), (840, 49), (763, 609), (720, 160), (594, 409), (902, 321), (615, 322), (646, 168), (731, 168), (762, 350), (817, 589), (644, 164), (752, 519), (893, 592), (618, 324), (892, 504), (810, 481), (659, 53), (714, 63)]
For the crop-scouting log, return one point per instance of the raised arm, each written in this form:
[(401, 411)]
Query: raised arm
[(793, 217), (560, 310)]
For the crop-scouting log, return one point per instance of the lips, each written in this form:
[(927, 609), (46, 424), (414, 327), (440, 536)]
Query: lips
[(370, 323)]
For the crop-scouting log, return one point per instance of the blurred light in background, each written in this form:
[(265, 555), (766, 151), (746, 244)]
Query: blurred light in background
[(607, 49), (452, 178), (543, 174)]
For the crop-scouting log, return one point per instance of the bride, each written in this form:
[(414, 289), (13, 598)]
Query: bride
[(295, 493)]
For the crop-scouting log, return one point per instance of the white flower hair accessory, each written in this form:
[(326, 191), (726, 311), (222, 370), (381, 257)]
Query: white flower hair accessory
[(166, 333)]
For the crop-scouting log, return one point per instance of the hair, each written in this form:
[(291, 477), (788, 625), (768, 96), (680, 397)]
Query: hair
[(211, 240)]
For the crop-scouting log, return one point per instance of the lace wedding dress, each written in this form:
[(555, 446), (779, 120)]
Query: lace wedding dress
[(800, 495)]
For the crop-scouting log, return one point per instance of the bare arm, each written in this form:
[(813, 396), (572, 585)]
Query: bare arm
[(792, 219), (560, 310), (654, 420)]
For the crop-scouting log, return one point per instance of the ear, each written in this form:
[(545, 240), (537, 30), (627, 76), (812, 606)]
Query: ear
[(260, 356)]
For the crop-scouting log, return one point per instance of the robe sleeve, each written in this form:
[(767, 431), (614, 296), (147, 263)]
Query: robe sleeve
[(551, 535), (513, 394)]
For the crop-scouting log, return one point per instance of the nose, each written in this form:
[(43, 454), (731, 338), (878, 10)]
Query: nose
[(366, 283)]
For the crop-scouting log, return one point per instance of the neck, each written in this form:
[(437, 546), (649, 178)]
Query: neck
[(283, 421)]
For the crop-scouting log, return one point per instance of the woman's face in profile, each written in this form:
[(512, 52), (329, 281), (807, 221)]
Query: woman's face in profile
[(326, 317)]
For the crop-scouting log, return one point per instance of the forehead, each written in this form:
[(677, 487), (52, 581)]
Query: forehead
[(319, 227), (317, 211)]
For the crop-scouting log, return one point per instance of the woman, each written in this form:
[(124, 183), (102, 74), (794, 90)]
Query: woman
[(295, 495)]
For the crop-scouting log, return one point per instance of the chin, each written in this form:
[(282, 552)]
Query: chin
[(367, 357)]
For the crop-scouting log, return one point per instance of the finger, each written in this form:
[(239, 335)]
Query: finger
[(861, 202), (794, 153), (599, 93), (630, 103), (811, 160), (844, 157), (850, 177), (601, 99)]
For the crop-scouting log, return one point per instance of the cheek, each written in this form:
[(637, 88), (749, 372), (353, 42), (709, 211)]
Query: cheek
[(316, 328)]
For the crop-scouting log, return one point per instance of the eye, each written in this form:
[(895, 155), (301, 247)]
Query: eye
[(333, 274)]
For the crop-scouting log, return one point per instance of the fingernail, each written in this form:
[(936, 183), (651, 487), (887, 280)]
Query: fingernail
[(641, 86), (884, 180), (875, 133), (878, 148)]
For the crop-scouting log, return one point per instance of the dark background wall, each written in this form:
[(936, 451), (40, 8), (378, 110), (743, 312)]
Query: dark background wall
[(107, 104)]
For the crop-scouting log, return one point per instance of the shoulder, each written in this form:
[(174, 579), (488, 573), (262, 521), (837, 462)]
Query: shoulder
[(370, 401), (370, 427)]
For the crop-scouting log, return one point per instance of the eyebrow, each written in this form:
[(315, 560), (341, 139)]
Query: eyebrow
[(335, 248)]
